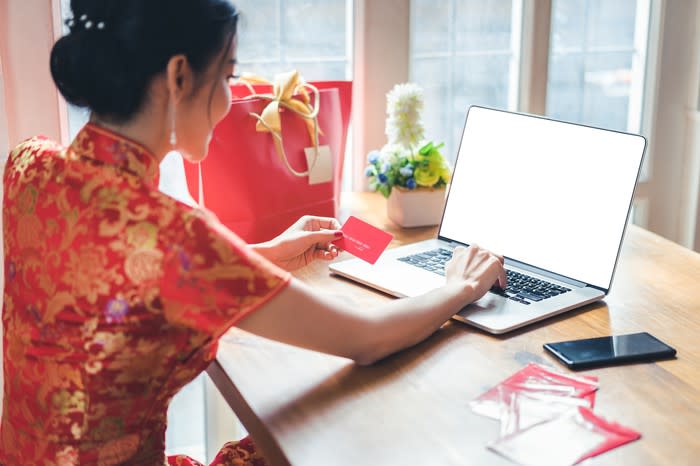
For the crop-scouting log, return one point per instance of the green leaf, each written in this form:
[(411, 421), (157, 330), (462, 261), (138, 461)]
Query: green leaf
[(426, 149)]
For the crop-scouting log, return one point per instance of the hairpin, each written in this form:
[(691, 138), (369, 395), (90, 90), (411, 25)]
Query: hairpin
[(88, 23)]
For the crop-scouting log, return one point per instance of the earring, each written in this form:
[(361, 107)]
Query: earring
[(201, 186), (173, 135)]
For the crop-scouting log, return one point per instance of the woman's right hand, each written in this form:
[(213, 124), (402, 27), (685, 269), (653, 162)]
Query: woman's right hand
[(476, 268), (338, 326)]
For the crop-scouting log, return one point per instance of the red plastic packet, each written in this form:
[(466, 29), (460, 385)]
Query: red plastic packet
[(539, 379), (521, 410), (565, 440)]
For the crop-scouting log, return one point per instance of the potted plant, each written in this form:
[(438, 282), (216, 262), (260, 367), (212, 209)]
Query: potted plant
[(410, 171)]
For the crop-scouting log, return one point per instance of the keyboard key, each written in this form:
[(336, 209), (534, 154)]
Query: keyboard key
[(521, 287), (530, 296)]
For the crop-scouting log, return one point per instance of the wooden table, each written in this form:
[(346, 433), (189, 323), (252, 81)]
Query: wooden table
[(307, 408)]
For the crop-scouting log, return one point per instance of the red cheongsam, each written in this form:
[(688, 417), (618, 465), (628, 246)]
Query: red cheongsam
[(115, 297)]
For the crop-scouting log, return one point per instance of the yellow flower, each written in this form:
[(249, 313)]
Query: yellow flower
[(430, 166), (426, 176), (446, 175)]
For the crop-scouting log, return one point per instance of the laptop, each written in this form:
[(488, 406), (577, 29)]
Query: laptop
[(552, 197)]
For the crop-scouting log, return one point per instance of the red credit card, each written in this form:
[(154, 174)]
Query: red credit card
[(363, 240)]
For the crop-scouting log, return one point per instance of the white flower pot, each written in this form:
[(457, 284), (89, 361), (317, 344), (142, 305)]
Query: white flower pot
[(415, 208)]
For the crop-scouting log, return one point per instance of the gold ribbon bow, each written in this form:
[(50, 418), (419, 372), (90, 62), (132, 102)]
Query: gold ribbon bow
[(286, 86)]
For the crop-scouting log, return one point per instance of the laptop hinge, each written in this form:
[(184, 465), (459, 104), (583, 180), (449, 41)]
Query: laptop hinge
[(451, 242)]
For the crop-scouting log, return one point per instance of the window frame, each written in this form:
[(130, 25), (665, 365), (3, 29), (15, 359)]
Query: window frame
[(664, 89)]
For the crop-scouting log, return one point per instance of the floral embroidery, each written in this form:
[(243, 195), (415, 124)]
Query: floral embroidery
[(67, 402), (27, 200), (34, 312), (29, 232), (142, 235), (67, 457), (93, 367), (87, 272), (184, 259), (119, 450), (11, 270), (114, 298), (143, 265), (116, 310)]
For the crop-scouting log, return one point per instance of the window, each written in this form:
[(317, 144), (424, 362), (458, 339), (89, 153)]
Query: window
[(463, 53), (312, 36), (466, 52), (595, 62)]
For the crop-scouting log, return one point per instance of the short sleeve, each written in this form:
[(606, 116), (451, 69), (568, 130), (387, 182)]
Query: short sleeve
[(211, 279)]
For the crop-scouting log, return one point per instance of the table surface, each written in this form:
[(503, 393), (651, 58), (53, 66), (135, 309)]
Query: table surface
[(307, 408)]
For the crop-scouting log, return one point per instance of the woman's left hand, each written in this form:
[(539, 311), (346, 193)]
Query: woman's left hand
[(309, 238)]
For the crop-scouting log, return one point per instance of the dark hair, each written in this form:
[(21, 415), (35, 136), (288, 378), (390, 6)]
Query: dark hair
[(116, 47)]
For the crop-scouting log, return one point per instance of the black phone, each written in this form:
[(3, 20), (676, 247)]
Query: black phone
[(606, 351)]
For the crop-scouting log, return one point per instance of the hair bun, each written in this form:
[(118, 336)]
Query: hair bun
[(115, 48)]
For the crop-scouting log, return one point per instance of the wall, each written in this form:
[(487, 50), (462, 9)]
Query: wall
[(381, 57), (26, 36), (4, 147), (4, 137), (27, 106), (671, 209)]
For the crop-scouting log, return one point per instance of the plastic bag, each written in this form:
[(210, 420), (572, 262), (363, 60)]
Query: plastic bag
[(565, 440), (539, 379), (521, 410)]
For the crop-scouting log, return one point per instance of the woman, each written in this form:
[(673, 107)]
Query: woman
[(116, 294)]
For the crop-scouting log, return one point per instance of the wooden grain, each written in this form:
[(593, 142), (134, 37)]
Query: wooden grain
[(306, 408)]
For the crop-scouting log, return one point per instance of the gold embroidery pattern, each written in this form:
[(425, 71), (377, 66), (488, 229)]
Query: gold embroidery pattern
[(114, 297)]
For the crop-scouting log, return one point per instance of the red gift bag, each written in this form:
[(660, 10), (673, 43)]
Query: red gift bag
[(254, 187)]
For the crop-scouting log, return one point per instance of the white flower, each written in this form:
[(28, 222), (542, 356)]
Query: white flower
[(391, 152), (404, 106)]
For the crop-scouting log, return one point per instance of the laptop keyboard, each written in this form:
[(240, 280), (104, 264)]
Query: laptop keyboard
[(521, 288)]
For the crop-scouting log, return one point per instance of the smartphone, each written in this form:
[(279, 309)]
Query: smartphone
[(606, 351)]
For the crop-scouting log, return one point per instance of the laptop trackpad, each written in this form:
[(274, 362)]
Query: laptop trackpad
[(490, 302), (494, 310)]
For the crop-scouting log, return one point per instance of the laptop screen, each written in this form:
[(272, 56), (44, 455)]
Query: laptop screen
[(550, 194)]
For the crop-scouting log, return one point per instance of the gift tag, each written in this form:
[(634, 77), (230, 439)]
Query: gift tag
[(321, 165)]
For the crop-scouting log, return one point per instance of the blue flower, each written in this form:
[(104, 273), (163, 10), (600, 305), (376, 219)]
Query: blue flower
[(32, 309), (386, 167), (184, 259), (116, 309), (382, 178), (406, 170), (373, 156), (370, 171), (411, 183)]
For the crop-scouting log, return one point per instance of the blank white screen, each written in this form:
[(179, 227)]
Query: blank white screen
[(551, 194)]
